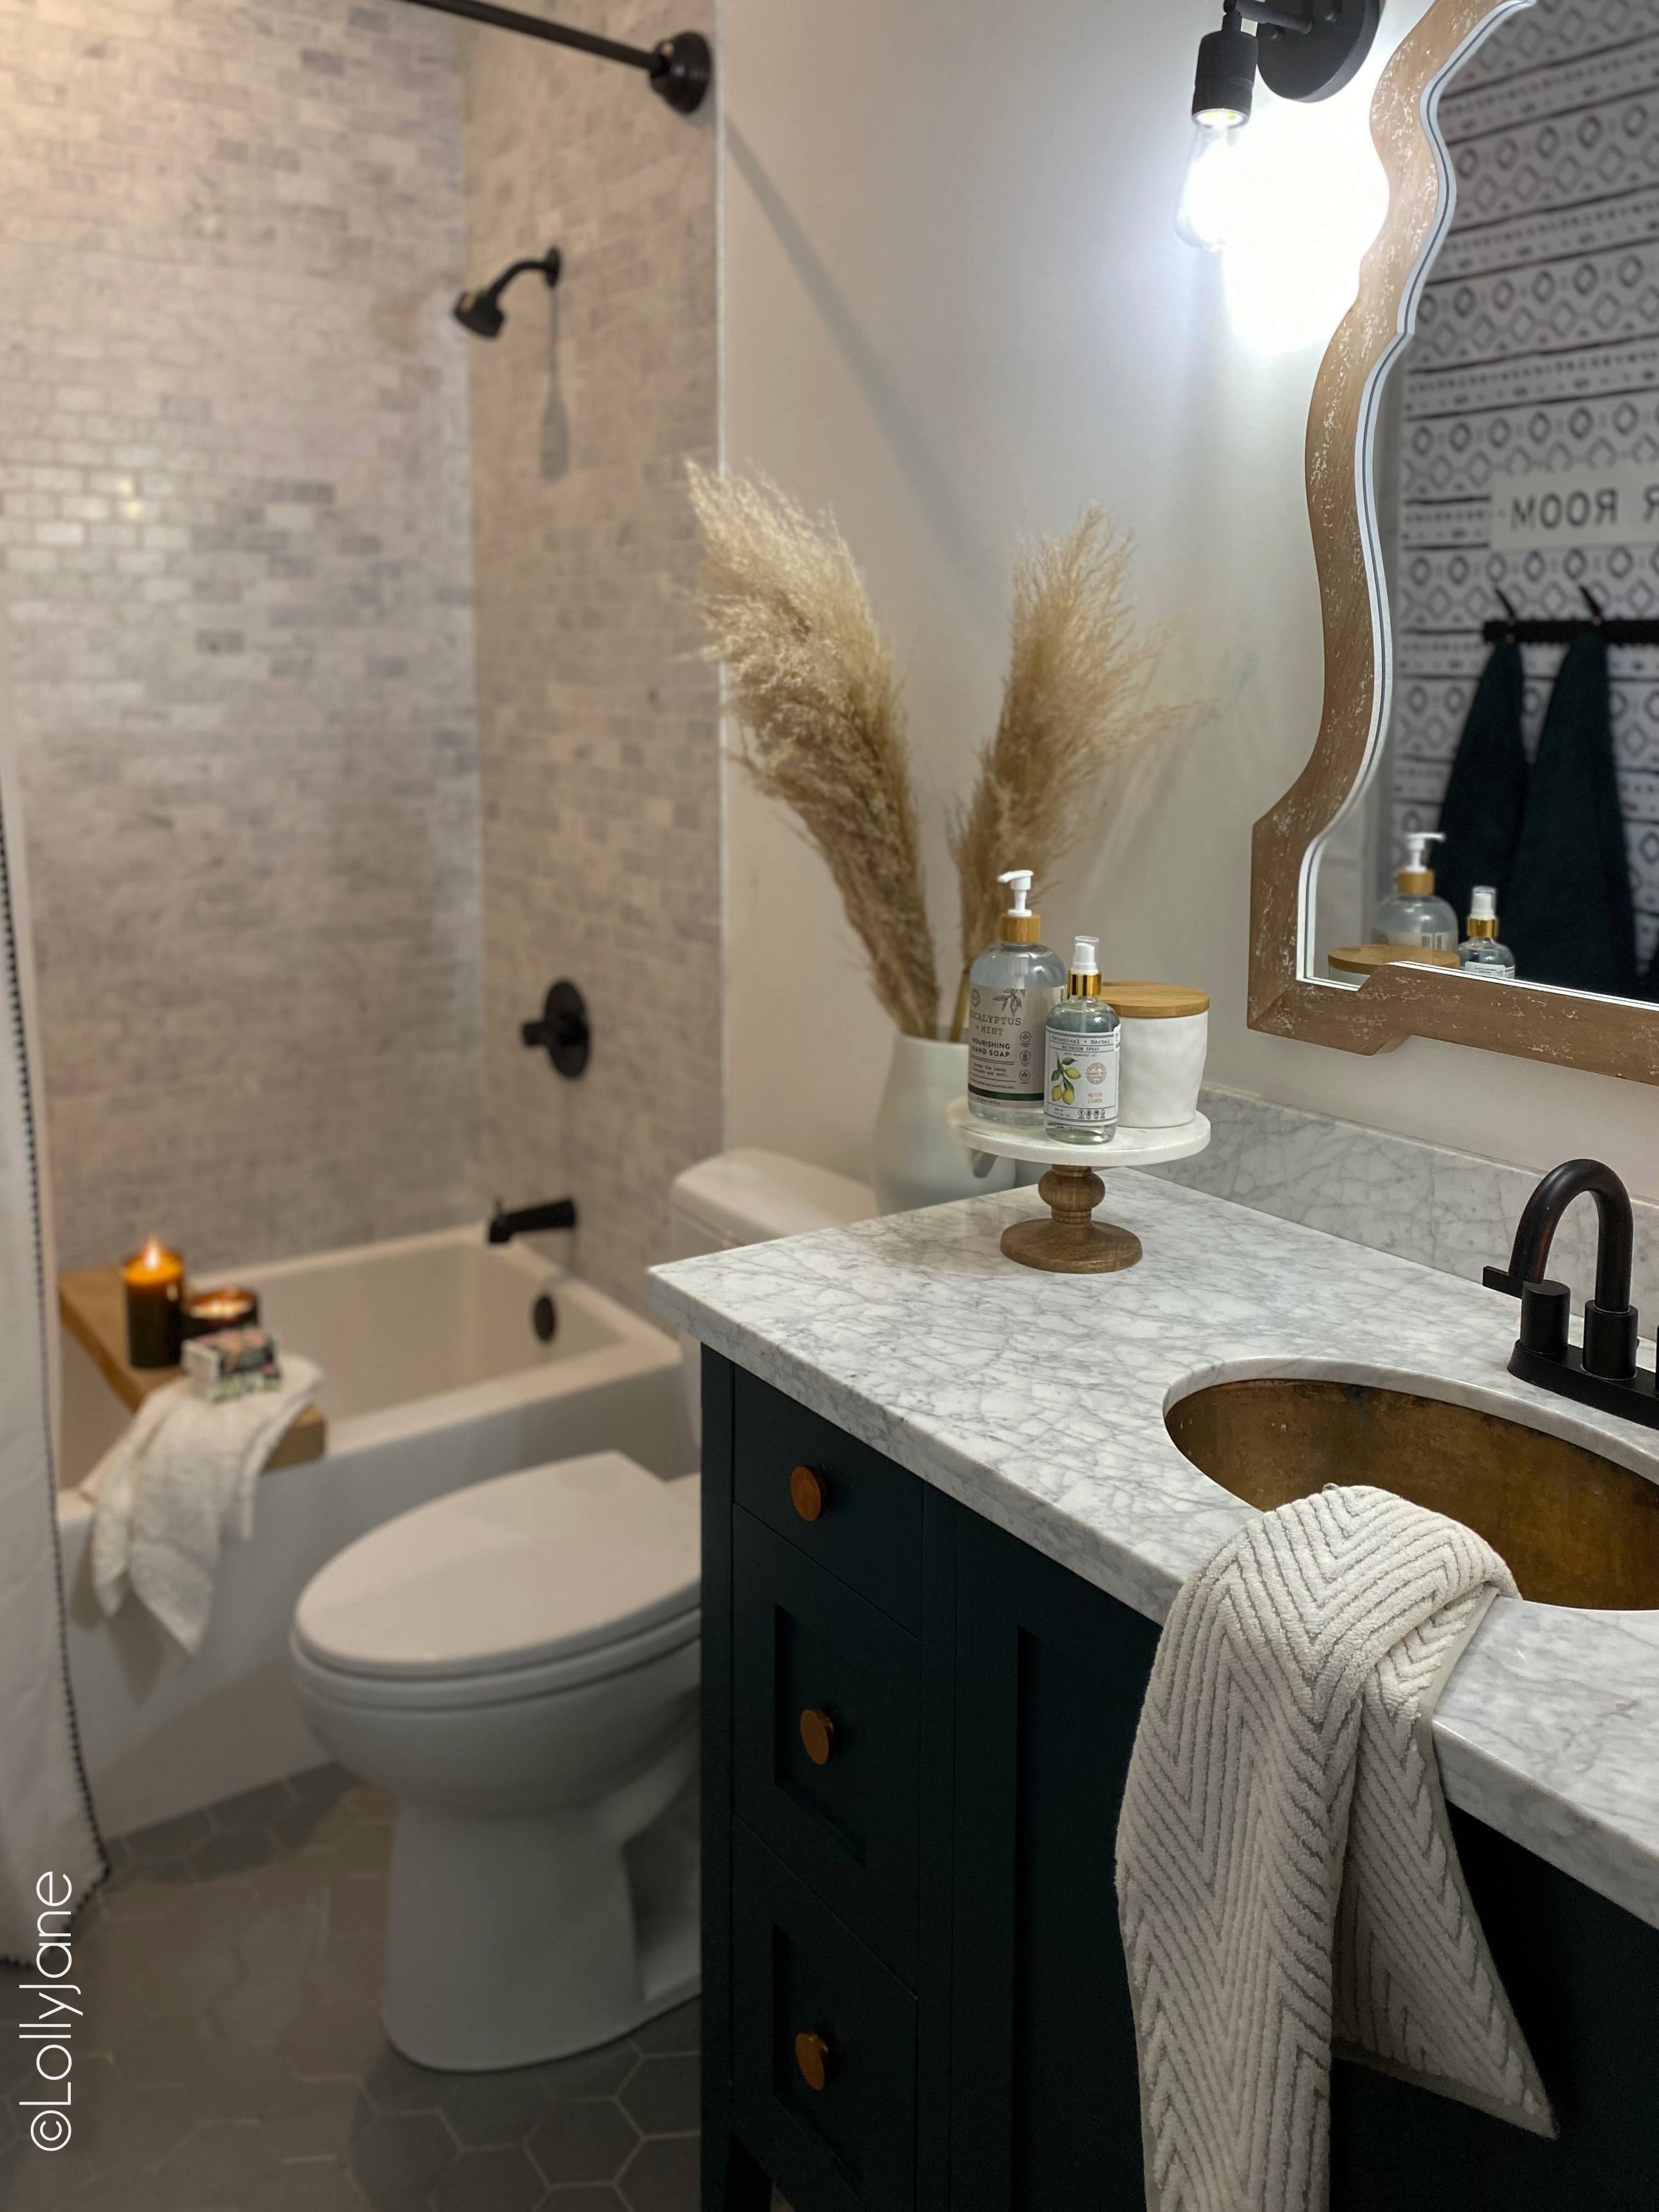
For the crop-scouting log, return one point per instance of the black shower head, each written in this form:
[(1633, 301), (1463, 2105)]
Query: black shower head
[(482, 313)]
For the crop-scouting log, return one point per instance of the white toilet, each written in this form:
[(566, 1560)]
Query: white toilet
[(517, 1663)]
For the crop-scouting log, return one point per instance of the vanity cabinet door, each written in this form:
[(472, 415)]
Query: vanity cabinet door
[(825, 1726), (1050, 1675), (824, 2047), (840, 1504)]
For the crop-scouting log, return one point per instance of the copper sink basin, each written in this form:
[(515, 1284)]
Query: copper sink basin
[(1575, 1529)]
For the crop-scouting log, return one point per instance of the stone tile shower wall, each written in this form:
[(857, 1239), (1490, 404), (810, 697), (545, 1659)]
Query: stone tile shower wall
[(233, 457), (597, 728)]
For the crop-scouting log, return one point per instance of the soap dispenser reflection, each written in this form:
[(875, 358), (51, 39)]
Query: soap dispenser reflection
[(1414, 916)]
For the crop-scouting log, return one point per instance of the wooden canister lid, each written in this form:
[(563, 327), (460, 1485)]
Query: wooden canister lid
[(1154, 1002), (1366, 959)]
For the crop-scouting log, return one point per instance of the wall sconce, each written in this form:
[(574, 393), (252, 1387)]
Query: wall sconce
[(1303, 50)]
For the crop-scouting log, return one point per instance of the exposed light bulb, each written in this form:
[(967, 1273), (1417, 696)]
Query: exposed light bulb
[(1208, 206)]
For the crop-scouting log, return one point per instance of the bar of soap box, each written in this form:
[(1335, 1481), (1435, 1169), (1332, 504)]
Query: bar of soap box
[(232, 1363)]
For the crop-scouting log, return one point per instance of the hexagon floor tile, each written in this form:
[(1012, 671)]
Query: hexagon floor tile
[(231, 2058)]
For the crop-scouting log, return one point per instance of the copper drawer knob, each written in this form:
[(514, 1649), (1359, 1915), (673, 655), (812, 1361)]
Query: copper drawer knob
[(808, 1494), (817, 1732), (811, 2056)]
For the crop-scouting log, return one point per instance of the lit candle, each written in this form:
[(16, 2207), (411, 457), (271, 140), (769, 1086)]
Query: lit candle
[(206, 1312), (155, 1280)]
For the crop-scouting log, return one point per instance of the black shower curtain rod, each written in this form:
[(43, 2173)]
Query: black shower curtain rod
[(1511, 628), (679, 68)]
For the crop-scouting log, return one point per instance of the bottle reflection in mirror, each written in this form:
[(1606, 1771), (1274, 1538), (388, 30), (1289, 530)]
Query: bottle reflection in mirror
[(1480, 953)]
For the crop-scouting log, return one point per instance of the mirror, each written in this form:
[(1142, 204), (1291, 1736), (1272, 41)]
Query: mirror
[(1490, 569)]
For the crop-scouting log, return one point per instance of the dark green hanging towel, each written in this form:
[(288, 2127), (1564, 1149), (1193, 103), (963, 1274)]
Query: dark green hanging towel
[(1481, 817), (1567, 914)]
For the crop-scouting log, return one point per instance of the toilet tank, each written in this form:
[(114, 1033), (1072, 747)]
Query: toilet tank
[(747, 1197)]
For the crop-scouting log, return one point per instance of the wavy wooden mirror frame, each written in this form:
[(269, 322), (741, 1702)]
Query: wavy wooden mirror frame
[(1611, 1036)]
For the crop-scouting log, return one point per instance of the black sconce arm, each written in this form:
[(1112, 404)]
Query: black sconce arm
[(1277, 19)]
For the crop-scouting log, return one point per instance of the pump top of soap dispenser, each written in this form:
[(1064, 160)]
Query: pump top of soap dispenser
[(1019, 925), (1416, 879), (1084, 982)]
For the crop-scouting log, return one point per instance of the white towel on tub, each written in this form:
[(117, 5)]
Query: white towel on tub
[(1287, 1878), (177, 1482)]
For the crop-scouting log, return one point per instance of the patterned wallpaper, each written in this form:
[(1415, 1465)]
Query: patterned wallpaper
[(1537, 350)]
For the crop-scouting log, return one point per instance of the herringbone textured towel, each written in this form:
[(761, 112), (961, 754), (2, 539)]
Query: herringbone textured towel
[(1286, 1876)]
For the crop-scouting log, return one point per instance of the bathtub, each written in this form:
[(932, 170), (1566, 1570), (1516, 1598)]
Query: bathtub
[(434, 1377)]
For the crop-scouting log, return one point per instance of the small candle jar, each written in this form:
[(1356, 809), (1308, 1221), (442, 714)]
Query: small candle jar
[(155, 1280), (205, 1313), (1166, 1028)]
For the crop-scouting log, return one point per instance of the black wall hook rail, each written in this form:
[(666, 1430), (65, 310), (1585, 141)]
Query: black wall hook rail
[(681, 69), (1615, 631), (1612, 630)]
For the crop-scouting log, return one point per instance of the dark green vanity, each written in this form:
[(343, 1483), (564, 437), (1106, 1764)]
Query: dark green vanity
[(916, 1732)]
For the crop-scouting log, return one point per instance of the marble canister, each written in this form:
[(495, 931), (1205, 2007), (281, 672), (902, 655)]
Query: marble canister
[(1166, 1034)]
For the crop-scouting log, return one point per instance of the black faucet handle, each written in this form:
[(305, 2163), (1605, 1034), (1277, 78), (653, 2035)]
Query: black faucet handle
[(1546, 1310), (1502, 1278), (1609, 1341), (562, 1032)]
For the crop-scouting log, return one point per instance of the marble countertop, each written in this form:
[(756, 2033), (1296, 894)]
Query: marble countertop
[(1039, 1402)]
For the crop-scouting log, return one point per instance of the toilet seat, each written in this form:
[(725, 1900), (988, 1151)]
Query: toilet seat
[(520, 1586)]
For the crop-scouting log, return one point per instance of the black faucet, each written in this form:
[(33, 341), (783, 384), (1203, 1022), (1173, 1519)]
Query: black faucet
[(1604, 1373), (552, 1214)]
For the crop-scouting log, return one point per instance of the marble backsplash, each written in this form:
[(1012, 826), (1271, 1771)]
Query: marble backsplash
[(1451, 1210)]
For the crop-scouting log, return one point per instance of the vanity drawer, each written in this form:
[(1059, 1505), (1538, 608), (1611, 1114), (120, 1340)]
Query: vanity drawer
[(826, 1737), (833, 1499), (823, 2048)]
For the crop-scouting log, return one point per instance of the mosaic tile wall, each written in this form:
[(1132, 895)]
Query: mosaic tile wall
[(598, 726), (1537, 349), (235, 527)]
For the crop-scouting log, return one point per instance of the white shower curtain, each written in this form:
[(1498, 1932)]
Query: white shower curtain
[(47, 1824)]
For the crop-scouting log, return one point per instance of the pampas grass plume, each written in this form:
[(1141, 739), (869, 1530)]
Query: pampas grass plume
[(1075, 716), (812, 685)]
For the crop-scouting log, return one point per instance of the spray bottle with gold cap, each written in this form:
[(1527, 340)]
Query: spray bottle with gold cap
[(1011, 988), (1480, 953), (1084, 1042), (1414, 916)]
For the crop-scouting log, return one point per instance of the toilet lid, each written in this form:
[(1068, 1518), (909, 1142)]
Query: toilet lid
[(552, 1562)]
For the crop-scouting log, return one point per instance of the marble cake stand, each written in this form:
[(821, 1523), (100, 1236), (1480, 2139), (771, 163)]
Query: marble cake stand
[(1072, 1243)]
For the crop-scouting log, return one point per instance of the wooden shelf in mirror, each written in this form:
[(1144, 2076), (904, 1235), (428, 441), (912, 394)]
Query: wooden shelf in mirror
[(93, 1305), (1572, 1029)]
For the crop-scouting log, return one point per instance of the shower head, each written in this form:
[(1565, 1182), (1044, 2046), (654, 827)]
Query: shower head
[(482, 313)]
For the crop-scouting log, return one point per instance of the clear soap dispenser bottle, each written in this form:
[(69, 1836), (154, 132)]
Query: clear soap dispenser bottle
[(1084, 1046), (1480, 953), (1011, 988), (1414, 916)]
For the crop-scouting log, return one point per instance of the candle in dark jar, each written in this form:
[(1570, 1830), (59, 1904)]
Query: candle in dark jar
[(206, 1312), (155, 1280)]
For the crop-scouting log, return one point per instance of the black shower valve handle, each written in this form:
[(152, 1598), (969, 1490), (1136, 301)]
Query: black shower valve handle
[(563, 1031)]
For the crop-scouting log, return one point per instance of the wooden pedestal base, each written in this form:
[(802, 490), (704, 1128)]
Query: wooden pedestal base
[(1071, 1243)]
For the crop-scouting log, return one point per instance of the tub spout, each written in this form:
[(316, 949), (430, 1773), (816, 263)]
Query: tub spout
[(552, 1214)]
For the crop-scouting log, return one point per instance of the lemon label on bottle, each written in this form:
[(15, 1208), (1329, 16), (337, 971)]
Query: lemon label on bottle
[(1004, 1043), (1082, 1074)]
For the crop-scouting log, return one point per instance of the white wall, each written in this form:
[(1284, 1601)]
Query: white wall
[(954, 308)]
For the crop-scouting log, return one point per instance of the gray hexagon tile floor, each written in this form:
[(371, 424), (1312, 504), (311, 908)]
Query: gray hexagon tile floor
[(232, 2059)]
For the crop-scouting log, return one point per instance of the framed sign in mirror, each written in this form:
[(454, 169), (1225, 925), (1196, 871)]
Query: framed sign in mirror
[(1483, 486)]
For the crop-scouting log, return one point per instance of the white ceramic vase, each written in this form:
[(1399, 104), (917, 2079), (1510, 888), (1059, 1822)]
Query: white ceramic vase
[(916, 1161)]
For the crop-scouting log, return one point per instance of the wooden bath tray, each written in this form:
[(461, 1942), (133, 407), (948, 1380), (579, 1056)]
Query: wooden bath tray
[(94, 1308)]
